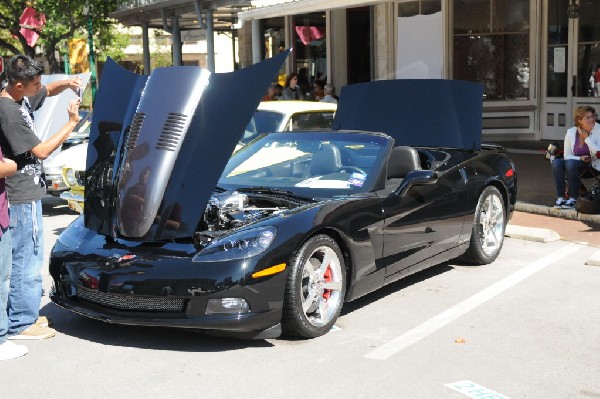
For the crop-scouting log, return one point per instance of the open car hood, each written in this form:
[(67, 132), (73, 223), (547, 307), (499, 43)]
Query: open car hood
[(416, 112), (53, 115), (158, 145)]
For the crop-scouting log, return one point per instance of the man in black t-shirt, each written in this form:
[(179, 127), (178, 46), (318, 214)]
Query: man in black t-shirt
[(22, 96)]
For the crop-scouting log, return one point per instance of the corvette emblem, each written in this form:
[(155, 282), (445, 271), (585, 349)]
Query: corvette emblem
[(119, 260)]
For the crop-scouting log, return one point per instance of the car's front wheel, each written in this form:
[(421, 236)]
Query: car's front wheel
[(487, 234), (315, 288)]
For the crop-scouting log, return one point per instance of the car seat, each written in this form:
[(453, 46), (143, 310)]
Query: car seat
[(325, 161), (403, 159)]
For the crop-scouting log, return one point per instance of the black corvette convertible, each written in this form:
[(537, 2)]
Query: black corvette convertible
[(277, 237)]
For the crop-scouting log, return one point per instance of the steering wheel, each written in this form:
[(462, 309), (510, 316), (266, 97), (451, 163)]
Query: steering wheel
[(349, 169)]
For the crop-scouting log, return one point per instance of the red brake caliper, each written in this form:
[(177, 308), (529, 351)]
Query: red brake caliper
[(327, 278)]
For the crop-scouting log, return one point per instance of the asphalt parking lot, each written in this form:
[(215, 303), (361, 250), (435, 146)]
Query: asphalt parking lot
[(522, 327)]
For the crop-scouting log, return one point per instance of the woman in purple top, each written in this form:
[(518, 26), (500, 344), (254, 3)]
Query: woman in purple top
[(8, 350), (581, 144)]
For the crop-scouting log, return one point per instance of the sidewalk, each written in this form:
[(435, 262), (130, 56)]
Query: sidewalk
[(553, 228)]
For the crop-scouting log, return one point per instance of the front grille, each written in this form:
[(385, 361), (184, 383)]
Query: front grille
[(131, 302), (80, 176)]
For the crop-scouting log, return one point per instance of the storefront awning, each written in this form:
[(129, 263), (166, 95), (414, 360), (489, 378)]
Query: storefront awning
[(278, 8)]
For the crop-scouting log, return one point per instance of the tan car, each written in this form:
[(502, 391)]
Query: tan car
[(283, 116), (73, 174)]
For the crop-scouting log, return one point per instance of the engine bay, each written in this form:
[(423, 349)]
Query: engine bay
[(232, 209)]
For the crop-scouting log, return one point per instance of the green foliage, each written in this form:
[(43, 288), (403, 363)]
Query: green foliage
[(111, 43), (65, 19), (160, 57)]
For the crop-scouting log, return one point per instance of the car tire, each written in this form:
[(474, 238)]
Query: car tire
[(315, 288), (489, 224)]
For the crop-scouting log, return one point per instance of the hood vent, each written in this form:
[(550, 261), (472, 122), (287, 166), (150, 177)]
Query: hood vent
[(170, 137), (134, 131)]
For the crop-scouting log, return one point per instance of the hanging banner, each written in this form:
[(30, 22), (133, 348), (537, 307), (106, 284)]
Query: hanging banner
[(31, 19), (78, 56)]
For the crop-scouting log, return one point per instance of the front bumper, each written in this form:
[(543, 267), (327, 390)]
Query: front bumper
[(75, 199), (166, 289), (252, 325)]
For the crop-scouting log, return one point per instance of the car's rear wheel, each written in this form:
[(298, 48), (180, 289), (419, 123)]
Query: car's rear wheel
[(315, 288), (487, 234)]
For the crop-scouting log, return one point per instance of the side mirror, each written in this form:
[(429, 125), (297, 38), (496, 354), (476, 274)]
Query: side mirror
[(417, 178)]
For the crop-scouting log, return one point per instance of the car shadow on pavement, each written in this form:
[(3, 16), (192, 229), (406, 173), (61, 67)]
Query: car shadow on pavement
[(53, 206), (592, 227), (155, 338), (395, 287)]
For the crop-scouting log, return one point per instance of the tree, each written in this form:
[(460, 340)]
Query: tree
[(64, 20)]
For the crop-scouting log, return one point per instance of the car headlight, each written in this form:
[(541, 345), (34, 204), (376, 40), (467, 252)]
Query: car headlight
[(74, 234), (244, 244), (69, 176)]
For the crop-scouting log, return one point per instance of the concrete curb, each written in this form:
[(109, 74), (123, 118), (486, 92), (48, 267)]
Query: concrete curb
[(570, 214), (531, 233)]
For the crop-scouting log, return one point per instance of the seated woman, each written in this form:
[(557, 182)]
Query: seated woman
[(582, 141)]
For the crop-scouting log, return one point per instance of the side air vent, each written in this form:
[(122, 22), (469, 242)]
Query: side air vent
[(134, 130), (171, 134)]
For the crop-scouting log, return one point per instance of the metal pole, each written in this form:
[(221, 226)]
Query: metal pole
[(66, 60), (92, 56), (257, 55), (210, 41), (176, 42), (146, 48), (233, 52)]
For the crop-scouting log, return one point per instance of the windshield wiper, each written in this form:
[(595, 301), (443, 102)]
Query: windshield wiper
[(271, 190)]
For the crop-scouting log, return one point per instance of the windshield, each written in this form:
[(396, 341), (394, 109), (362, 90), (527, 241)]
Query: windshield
[(262, 122), (310, 164)]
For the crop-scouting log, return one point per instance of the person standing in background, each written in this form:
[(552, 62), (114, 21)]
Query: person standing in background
[(292, 91), (318, 90), (329, 96)]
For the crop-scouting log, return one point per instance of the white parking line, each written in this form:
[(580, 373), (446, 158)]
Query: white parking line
[(421, 331)]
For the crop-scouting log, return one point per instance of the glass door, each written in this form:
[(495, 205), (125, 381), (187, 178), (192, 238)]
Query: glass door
[(572, 54)]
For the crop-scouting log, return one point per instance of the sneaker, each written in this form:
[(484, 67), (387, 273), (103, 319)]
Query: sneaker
[(10, 350), (569, 204), (42, 321), (560, 202), (35, 332)]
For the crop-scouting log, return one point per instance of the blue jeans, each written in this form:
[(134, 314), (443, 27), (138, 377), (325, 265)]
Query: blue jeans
[(571, 168), (27, 258), (5, 266)]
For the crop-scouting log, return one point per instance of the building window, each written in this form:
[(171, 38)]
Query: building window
[(588, 49), (419, 7), (491, 46)]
